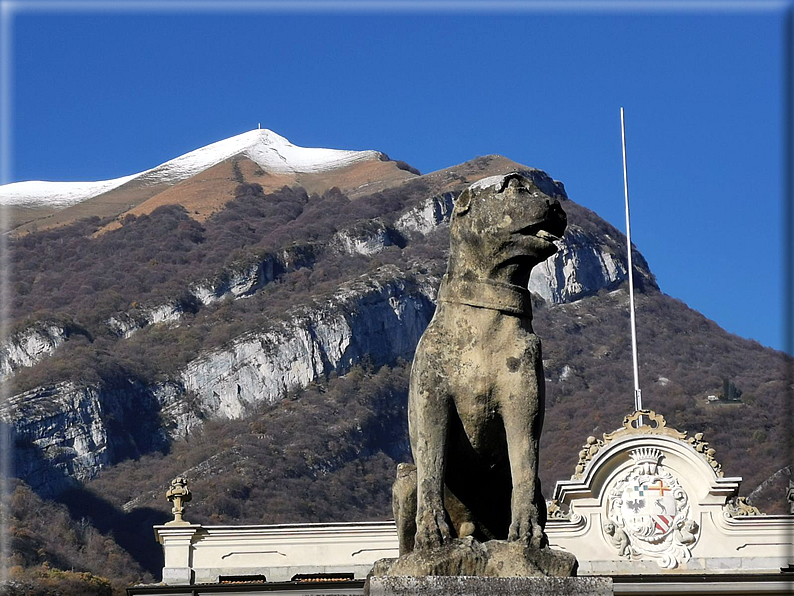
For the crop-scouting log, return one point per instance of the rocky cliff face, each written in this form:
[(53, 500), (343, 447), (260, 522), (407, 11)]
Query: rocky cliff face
[(584, 264), (238, 281), (380, 316), (249, 277), (426, 217), (365, 239), (30, 345), (69, 431), (588, 260)]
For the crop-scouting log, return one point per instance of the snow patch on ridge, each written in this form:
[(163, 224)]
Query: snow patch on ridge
[(40, 193), (270, 151)]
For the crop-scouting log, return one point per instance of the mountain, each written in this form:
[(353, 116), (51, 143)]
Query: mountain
[(212, 172), (252, 329)]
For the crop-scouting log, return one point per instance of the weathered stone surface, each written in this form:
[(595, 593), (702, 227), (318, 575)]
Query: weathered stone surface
[(426, 217), (583, 265), (489, 586), (476, 397), (127, 324), (467, 556)]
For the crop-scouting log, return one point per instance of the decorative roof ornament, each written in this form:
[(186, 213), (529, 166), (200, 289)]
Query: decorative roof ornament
[(655, 425), (703, 448), (554, 511), (589, 449), (646, 459), (739, 507), (652, 424), (178, 495)]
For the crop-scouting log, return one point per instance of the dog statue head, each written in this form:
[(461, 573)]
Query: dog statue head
[(502, 226)]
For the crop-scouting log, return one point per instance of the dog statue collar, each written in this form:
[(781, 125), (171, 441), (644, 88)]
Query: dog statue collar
[(486, 293)]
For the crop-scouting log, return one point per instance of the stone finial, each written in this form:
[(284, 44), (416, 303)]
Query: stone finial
[(178, 495)]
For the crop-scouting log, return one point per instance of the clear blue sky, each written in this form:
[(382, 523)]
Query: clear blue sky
[(99, 94)]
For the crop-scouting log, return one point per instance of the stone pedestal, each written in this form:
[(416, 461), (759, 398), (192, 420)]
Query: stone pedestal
[(488, 586), (470, 558), (177, 540)]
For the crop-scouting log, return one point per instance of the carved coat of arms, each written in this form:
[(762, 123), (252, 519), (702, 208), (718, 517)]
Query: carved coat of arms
[(648, 513)]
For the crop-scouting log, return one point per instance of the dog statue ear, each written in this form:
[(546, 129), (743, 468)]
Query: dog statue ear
[(511, 179), (463, 203)]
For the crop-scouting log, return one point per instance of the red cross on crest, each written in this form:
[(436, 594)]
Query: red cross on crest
[(661, 488)]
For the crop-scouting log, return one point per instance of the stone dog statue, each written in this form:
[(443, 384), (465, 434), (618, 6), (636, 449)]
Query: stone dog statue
[(476, 397)]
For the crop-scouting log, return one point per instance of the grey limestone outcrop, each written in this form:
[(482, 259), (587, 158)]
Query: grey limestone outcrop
[(379, 316), (584, 264), (427, 216), (68, 431), (29, 346), (366, 239)]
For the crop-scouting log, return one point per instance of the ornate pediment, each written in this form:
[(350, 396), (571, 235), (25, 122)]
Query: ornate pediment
[(644, 423), (649, 499)]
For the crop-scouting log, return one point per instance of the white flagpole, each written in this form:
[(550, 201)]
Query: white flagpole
[(637, 391)]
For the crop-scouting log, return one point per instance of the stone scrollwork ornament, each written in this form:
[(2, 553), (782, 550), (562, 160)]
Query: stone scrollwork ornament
[(589, 449), (554, 511), (738, 507), (653, 424), (703, 448), (648, 513)]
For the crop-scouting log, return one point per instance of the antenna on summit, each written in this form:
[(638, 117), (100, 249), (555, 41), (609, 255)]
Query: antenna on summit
[(259, 126), (637, 391)]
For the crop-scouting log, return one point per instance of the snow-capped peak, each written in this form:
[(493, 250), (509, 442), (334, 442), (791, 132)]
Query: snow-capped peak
[(272, 152)]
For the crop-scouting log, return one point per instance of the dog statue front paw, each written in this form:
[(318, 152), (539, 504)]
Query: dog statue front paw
[(525, 527), (432, 529)]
